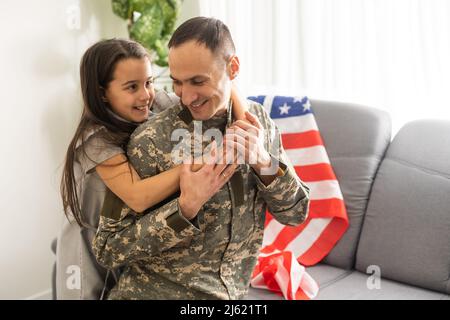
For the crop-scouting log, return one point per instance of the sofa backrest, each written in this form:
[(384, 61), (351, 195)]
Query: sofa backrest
[(406, 231), (356, 138)]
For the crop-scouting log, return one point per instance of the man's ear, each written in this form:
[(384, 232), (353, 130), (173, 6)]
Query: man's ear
[(233, 67)]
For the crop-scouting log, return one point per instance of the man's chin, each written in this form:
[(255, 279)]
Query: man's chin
[(201, 115)]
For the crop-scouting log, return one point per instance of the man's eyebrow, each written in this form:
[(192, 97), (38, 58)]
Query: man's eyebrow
[(190, 79), (132, 81)]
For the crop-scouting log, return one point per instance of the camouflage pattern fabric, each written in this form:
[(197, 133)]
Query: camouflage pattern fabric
[(213, 256)]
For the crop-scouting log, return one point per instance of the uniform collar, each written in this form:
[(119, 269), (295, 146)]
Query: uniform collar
[(215, 122)]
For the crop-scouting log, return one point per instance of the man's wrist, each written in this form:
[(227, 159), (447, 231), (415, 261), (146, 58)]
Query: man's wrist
[(263, 163), (188, 210)]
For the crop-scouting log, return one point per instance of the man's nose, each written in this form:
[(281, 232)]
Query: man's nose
[(188, 95)]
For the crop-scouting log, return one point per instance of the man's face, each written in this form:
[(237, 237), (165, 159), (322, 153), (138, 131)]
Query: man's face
[(200, 79)]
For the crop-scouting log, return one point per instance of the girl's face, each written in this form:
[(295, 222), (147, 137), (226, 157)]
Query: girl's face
[(131, 91)]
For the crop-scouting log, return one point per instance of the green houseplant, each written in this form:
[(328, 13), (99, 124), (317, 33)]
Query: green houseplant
[(151, 23)]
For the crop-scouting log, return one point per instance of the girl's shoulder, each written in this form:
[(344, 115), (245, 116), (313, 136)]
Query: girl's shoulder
[(164, 100), (96, 148), (91, 133)]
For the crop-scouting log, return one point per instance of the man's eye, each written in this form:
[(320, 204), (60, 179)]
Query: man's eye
[(198, 83)]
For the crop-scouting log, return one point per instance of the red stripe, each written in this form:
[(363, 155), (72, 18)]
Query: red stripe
[(268, 218), (327, 208), (327, 240), (300, 295), (268, 268), (284, 237), (301, 140), (315, 172), (270, 265)]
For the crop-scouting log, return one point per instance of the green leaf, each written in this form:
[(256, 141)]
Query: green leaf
[(121, 8), (148, 27)]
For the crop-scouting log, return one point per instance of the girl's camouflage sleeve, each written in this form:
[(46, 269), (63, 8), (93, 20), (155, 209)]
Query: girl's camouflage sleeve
[(287, 197), (124, 236)]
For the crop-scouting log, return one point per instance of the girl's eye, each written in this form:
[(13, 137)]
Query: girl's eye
[(132, 87), (149, 83)]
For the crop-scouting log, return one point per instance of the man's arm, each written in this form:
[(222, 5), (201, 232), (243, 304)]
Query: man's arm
[(287, 197), (131, 238)]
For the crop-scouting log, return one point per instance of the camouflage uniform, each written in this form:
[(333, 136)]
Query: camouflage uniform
[(166, 256)]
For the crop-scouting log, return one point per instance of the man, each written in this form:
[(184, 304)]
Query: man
[(203, 243)]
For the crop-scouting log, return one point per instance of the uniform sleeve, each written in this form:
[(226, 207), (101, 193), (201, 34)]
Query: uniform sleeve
[(133, 238), (164, 100), (287, 197), (124, 236)]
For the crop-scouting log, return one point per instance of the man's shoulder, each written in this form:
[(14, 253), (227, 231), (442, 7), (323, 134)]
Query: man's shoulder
[(159, 125)]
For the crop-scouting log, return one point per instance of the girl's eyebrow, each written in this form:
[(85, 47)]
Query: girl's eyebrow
[(132, 81)]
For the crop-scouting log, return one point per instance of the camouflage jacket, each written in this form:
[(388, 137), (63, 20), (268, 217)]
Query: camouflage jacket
[(165, 256)]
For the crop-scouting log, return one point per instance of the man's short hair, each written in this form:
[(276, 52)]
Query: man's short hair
[(211, 32)]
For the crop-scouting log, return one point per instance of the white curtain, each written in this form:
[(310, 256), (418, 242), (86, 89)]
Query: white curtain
[(390, 54)]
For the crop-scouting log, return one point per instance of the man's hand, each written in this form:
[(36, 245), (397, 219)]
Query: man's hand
[(198, 187), (247, 138)]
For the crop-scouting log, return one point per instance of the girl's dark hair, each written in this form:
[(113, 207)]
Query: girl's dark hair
[(96, 72)]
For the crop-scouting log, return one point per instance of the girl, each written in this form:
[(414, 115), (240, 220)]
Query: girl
[(118, 93)]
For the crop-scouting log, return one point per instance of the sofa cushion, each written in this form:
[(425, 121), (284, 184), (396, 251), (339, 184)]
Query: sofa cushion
[(406, 231), (341, 284), (356, 138), (355, 287)]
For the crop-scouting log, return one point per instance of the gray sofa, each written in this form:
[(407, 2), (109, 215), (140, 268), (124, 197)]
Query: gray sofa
[(397, 196)]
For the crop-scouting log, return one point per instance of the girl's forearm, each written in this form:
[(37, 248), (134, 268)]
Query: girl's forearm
[(151, 191)]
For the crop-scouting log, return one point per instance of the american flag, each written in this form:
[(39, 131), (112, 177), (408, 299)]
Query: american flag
[(287, 249)]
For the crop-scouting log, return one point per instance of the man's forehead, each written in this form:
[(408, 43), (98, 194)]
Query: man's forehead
[(186, 63)]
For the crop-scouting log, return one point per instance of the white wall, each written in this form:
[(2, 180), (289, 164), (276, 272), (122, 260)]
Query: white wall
[(41, 47)]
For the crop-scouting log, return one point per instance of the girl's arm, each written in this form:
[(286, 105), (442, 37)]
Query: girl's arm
[(239, 103), (139, 194)]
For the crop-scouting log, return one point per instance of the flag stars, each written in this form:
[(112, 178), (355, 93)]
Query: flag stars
[(307, 106), (298, 99), (284, 109)]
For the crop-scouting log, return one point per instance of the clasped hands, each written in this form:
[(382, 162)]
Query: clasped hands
[(243, 143)]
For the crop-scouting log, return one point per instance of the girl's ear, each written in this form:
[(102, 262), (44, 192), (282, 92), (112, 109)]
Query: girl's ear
[(103, 93)]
